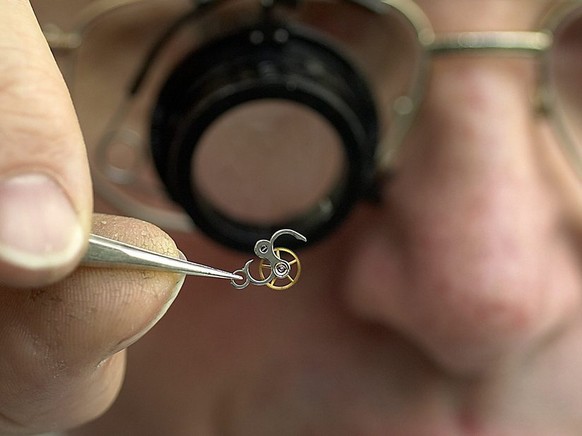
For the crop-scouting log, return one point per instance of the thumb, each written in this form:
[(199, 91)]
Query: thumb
[(45, 192)]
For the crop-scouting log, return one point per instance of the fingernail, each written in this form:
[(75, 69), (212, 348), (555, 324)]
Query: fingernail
[(39, 228)]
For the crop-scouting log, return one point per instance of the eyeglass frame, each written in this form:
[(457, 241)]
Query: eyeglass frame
[(528, 43)]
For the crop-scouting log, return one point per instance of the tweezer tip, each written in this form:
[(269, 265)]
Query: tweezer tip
[(191, 268), (225, 275)]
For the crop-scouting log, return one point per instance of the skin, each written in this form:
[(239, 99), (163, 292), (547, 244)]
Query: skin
[(452, 308)]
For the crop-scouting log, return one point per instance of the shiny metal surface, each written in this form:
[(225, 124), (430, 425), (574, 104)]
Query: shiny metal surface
[(105, 252)]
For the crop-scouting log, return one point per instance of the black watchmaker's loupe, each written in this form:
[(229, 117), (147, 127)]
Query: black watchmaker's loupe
[(265, 128)]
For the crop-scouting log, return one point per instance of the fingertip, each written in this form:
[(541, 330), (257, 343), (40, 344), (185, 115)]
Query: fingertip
[(136, 232), (156, 315)]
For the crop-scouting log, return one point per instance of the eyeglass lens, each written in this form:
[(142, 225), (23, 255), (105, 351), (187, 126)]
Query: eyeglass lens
[(565, 72), (267, 160), (262, 161)]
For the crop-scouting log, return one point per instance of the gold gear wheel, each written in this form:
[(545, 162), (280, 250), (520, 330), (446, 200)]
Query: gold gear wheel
[(281, 284)]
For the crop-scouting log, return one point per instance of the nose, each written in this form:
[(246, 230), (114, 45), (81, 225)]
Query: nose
[(468, 257)]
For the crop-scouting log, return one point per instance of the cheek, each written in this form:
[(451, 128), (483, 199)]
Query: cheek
[(560, 172)]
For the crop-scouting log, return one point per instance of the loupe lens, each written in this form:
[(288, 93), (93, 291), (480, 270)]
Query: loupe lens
[(268, 161)]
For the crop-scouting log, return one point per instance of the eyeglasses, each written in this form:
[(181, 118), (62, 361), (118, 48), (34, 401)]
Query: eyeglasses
[(256, 116)]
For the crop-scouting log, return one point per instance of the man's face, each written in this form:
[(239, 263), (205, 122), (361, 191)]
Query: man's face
[(452, 307)]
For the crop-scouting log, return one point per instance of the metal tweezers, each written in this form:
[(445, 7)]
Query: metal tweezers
[(105, 252)]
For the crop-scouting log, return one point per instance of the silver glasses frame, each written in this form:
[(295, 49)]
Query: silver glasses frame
[(535, 44)]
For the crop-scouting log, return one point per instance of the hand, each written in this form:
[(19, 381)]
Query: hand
[(61, 332)]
